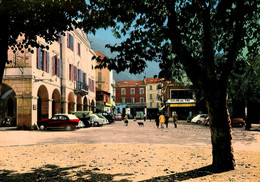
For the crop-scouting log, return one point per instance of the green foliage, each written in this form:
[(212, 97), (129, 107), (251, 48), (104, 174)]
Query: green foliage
[(32, 18), (195, 32)]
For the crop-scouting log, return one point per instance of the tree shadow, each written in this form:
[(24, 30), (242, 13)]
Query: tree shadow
[(192, 174), (53, 173)]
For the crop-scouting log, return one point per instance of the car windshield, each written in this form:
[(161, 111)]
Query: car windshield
[(100, 116), (71, 116)]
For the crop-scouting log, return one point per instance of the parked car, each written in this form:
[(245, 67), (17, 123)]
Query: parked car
[(199, 118), (239, 122), (60, 121), (206, 121), (98, 120), (118, 117), (84, 116), (110, 117)]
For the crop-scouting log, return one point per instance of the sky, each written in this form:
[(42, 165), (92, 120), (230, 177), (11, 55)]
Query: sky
[(103, 37)]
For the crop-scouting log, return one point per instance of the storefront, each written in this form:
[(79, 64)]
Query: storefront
[(183, 107)]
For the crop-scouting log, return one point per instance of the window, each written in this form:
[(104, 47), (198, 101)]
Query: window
[(141, 100), (151, 104), (75, 73), (43, 60), (157, 105), (132, 91), (99, 86), (70, 41), (132, 100), (99, 77), (91, 85), (122, 91), (123, 100), (151, 96), (151, 87), (141, 91), (79, 49), (157, 96)]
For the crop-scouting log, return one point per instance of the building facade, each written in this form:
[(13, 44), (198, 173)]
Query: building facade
[(131, 98), (180, 99), (152, 96), (58, 80), (104, 87)]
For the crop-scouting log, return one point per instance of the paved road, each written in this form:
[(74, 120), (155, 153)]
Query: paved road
[(187, 134)]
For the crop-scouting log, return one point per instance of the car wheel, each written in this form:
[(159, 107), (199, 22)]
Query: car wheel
[(42, 127), (96, 124), (68, 128), (198, 122)]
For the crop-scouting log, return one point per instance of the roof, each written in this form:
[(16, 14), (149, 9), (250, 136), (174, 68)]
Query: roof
[(120, 83), (100, 90), (151, 80), (102, 56)]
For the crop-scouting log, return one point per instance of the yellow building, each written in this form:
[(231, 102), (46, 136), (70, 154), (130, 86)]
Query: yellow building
[(152, 96)]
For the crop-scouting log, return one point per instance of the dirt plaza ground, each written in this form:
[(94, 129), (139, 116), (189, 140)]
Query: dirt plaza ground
[(124, 153)]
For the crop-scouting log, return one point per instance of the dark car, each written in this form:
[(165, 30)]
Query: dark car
[(59, 121), (110, 117), (84, 116), (239, 122)]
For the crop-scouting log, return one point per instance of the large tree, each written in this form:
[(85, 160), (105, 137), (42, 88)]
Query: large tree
[(188, 34), (31, 18)]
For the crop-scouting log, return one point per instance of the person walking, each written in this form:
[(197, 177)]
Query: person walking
[(175, 119), (162, 120), (157, 120), (126, 120), (166, 120)]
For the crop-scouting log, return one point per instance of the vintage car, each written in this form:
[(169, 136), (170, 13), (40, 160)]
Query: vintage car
[(60, 121)]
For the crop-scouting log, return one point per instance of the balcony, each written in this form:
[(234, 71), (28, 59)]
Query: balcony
[(81, 88)]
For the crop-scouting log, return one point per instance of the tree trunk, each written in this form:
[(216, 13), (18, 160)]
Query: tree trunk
[(221, 132), (4, 35)]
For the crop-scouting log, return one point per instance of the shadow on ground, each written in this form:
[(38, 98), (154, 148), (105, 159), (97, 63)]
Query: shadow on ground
[(52, 173), (192, 174)]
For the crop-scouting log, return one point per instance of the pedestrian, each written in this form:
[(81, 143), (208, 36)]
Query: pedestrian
[(126, 120), (175, 119), (149, 116), (157, 120), (166, 120), (162, 120), (144, 117)]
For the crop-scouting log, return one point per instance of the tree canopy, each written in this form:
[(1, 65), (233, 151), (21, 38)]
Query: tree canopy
[(31, 18), (207, 39)]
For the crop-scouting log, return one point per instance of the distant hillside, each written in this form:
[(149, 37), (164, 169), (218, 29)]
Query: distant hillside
[(151, 70)]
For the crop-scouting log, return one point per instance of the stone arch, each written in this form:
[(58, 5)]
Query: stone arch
[(71, 102), (85, 104), (56, 102), (42, 103), (79, 103), (8, 104)]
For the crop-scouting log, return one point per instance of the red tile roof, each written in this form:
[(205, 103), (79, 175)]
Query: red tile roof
[(130, 83), (151, 80), (100, 54)]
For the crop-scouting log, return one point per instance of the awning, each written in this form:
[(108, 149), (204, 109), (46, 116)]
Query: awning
[(182, 105), (107, 104)]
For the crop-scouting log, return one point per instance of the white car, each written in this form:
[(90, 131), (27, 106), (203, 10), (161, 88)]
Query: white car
[(98, 120), (199, 118)]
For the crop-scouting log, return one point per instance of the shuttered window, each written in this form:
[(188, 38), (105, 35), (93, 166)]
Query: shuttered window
[(70, 41), (43, 60)]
